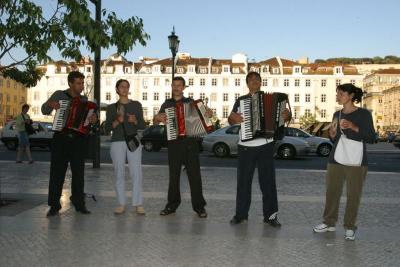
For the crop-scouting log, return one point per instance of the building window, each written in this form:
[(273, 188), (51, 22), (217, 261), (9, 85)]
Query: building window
[(323, 113), (202, 82), (323, 98), (237, 82), (275, 82), (202, 96), (237, 95), (295, 114), (307, 113), (191, 81), (167, 83), (191, 95), (108, 96), (145, 112), (225, 82), (226, 69), (264, 82), (338, 82), (145, 83), (308, 98), (275, 70), (156, 81), (225, 111), (353, 82), (225, 97), (380, 100), (297, 70), (213, 97), (338, 70), (8, 84), (144, 96), (179, 70), (214, 82), (168, 69), (191, 69), (203, 70), (296, 97), (167, 95), (308, 83), (156, 96), (297, 82), (265, 69), (155, 111), (236, 70), (323, 83), (214, 70), (286, 82)]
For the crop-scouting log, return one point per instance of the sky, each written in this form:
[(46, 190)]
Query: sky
[(260, 29)]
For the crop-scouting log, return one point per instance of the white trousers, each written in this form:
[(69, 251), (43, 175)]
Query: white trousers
[(119, 153)]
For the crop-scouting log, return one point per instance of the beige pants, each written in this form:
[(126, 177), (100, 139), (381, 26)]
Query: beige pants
[(335, 177)]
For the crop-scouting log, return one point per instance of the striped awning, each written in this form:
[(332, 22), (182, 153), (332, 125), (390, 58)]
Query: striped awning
[(316, 128), (326, 128)]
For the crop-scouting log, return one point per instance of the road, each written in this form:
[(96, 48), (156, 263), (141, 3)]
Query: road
[(382, 158)]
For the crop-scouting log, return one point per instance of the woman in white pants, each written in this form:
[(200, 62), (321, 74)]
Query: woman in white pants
[(126, 114)]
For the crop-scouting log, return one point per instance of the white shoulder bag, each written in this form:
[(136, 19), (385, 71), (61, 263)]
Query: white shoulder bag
[(348, 152)]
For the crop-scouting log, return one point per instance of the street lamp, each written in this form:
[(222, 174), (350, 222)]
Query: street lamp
[(173, 46)]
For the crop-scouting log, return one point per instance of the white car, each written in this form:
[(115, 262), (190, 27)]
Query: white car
[(223, 142), (41, 138), (321, 146)]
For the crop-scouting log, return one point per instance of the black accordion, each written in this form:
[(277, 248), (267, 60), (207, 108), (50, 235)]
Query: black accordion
[(262, 115)]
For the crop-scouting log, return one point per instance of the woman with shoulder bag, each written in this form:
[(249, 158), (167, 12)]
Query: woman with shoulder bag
[(124, 119), (352, 127), (22, 121)]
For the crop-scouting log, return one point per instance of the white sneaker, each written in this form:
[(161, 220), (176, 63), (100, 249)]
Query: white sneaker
[(350, 235), (322, 228)]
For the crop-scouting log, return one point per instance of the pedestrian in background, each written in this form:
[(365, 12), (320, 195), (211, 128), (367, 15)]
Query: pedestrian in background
[(22, 122)]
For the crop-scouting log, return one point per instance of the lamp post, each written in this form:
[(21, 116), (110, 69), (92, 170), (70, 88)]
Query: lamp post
[(173, 41), (97, 55)]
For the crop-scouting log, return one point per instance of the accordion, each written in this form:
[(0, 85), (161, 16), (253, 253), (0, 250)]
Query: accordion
[(74, 115), (187, 119), (262, 115)]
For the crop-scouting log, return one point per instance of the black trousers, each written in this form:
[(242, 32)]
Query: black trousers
[(67, 148), (184, 151), (248, 159)]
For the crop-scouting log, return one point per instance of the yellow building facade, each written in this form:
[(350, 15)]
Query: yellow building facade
[(12, 96)]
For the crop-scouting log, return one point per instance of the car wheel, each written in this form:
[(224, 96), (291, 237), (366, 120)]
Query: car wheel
[(221, 150), (11, 145), (324, 150), (148, 146), (286, 151)]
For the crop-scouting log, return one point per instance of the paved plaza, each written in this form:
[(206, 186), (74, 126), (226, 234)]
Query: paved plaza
[(28, 238)]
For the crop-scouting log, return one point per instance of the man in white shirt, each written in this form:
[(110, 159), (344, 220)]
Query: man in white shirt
[(256, 152)]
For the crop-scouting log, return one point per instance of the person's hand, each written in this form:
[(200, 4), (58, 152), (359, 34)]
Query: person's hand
[(286, 115), (345, 124), (160, 117), (333, 129), (132, 118), (53, 104), (93, 118), (235, 118), (209, 112), (120, 118)]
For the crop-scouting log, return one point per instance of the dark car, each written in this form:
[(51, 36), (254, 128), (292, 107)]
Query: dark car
[(396, 139), (155, 137)]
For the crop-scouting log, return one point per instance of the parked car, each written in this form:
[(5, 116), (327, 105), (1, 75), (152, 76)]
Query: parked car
[(41, 138), (155, 137), (396, 139), (223, 143), (320, 145)]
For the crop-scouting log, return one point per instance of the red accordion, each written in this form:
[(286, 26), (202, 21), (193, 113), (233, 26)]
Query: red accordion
[(74, 115), (187, 119)]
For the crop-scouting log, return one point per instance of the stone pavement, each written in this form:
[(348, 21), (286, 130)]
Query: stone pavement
[(28, 238)]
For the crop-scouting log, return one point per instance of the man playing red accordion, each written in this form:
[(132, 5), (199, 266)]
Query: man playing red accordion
[(67, 146)]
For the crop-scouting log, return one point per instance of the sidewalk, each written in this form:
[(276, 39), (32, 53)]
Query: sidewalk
[(27, 237)]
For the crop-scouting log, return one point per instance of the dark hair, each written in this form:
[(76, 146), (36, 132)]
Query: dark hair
[(121, 81), (252, 73), (351, 89), (75, 75), (180, 78), (24, 106)]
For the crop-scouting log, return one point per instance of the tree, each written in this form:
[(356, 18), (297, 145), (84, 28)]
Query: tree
[(24, 27), (307, 120)]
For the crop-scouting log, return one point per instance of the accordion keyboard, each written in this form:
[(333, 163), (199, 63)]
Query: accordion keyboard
[(61, 115), (246, 126), (171, 125)]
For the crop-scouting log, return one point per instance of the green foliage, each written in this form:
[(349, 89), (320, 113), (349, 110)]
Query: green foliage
[(307, 120), (23, 26), (364, 60)]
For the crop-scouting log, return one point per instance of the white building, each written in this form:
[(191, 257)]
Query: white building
[(311, 87)]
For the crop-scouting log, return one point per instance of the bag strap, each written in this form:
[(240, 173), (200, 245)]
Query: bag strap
[(340, 116)]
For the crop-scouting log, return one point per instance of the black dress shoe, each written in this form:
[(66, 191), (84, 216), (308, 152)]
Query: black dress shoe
[(53, 212), (236, 220), (273, 222), (202, 213), (82, 209), (167, 211)]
